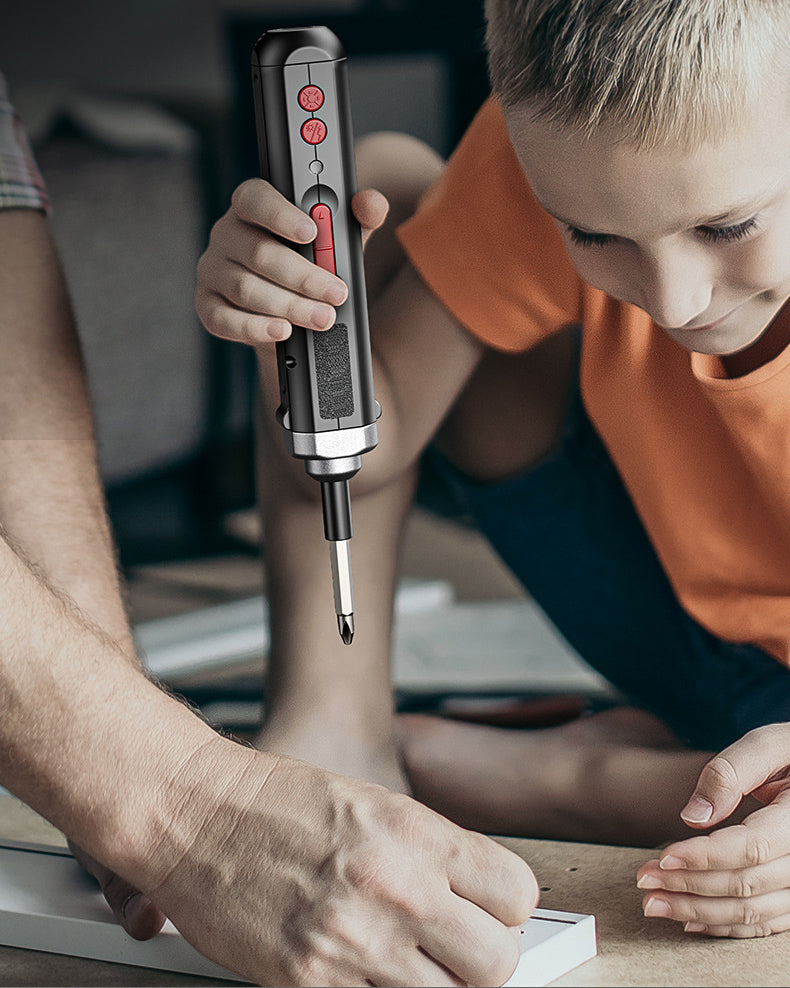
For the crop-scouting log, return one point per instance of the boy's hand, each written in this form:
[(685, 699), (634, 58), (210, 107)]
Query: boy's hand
[(733, 882), (252, 286)]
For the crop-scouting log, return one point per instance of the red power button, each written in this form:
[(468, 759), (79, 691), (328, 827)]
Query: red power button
[(324, 243), (311, 98)]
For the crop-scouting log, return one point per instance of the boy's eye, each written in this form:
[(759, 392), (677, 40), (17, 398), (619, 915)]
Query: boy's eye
[(728, 234), (713, 234), (584, 239)]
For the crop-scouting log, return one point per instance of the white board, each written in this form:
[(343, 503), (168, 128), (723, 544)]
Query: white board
[(48, 903)]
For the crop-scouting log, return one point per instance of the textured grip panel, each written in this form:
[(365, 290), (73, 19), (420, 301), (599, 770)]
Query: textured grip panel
[(333, 373)]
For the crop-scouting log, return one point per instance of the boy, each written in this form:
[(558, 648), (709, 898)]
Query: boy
[(629, 177)]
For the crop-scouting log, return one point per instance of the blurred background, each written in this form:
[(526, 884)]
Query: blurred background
[(142, 122), (141, 119)]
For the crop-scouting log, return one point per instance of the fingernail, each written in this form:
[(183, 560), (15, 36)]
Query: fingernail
[(656, 907), (695, 927), (133, 910), (670, 861), (697, 810), (649, 882)]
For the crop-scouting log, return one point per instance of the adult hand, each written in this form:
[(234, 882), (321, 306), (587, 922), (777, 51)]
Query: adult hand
[(289, 875), (735, 880)]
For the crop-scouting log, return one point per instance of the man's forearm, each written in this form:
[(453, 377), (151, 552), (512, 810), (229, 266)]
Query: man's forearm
[(51, 500), (85, 739)]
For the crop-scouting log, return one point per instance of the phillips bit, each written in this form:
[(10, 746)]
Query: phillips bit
[(340, 556)]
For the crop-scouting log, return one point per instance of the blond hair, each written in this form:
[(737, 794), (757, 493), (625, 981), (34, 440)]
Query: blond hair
[(658, 70)]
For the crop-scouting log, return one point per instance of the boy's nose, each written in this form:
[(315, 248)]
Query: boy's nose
[(676, 287)]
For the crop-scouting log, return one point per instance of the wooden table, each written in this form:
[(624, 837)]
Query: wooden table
[(582, 878)]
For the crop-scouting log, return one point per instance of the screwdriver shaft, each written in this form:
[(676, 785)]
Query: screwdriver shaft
[(340, 556)]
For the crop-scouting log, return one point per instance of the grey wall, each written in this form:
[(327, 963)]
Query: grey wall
[(143, 47), (173, 50)]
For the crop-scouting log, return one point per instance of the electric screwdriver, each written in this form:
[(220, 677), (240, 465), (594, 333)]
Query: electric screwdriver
[(306, 147)]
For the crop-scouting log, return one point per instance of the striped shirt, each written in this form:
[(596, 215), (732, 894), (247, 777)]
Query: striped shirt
[(20, 180)]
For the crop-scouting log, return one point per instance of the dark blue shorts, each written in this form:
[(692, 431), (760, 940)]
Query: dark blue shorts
[(568, 531)]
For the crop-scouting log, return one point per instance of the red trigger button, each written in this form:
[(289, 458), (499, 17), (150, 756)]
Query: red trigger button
[(324, 243)]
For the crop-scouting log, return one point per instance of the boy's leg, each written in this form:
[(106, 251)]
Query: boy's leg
[(615, 777), (325, 702)]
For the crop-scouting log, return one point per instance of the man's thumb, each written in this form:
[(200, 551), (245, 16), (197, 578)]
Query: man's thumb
[(134, 911)]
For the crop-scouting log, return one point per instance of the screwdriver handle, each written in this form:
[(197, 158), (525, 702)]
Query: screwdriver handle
[(306, 150)]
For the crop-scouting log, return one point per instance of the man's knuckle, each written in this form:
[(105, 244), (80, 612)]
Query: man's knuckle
[(384, 884), (342, 931), (367, 873), (116, 890), (312, 282)]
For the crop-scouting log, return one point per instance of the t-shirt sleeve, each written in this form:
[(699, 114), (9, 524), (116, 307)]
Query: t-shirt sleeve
[(484, 246), (755, 410), (21, 184)]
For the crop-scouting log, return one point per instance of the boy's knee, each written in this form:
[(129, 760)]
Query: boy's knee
[(399, 165)]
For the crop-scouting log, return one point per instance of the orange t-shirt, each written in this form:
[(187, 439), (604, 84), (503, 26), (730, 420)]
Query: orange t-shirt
[(705, 458)]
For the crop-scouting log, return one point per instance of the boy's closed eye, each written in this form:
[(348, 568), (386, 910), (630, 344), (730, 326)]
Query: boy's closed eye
[(712, 234)]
